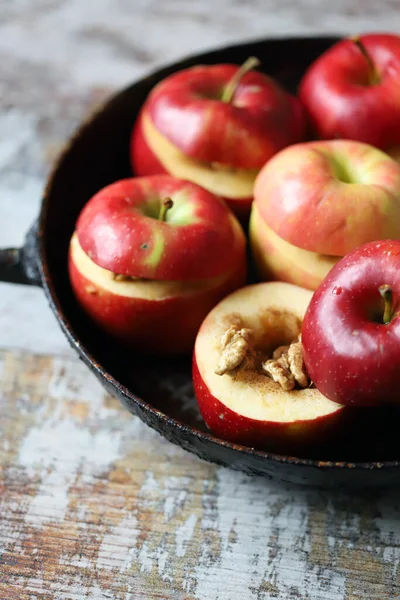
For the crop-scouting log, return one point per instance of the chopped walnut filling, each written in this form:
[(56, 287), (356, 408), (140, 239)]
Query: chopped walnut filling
[(279, 371), (280, 351), (287, 367), (296, 364), (235, 344)]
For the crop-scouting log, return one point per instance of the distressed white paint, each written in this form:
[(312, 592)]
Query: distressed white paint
[(57, 448), (184, 534), (119, 545), (249, 538)]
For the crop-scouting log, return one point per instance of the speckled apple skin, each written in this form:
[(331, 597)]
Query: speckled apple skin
[(117, 234), (351, 358), (303, 196)]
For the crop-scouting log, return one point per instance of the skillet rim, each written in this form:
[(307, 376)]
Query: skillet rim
[(90, 360)]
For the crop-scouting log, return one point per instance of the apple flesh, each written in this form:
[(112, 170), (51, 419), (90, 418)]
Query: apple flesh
[(190, 128), (351, 348), (351, 91), (121, 230), (250, 408), (279, 260), (330, 197), (160, 317)]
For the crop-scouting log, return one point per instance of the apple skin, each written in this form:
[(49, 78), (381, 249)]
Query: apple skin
[(249, 408), (146, 162), (351, 357), (278, 260), (120, 230), (331, 196), (165, 325), (262, 117), (233, 427), (340, 100), (394, 153)]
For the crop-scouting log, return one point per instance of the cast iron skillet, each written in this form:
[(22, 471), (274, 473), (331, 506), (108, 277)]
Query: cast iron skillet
[(160, 391)]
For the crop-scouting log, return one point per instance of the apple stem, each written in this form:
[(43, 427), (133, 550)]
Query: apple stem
[(230, 89), (164, 208), (373, 74), (387, 295)]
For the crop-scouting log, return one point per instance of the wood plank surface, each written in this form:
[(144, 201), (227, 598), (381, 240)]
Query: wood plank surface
[(93, 504)]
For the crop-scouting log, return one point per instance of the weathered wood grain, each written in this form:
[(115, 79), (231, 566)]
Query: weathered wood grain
[(95, 505)]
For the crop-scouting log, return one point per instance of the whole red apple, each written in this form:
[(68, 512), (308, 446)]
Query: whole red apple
[(353, 90), (216, 126), (151, 257), (351, 330)]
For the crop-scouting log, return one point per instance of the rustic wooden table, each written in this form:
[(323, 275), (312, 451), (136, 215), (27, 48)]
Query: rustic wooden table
[(93, 504)]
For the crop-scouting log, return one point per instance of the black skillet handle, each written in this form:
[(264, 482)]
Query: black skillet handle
[(20, 265)]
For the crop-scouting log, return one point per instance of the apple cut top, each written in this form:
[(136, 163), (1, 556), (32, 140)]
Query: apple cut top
[(243, 131), (160, 227)]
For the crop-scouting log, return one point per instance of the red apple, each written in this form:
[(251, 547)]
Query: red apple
[(120, 229), (151, 256), (246, 406), (215, 125), (160, 317), (279, 260), (330, 197), (353, 90), (351, 330)]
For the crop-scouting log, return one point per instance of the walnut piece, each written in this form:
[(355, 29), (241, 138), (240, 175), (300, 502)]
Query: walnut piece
[(279, 371), (296, 364), (280, 351), (287, 367), (235, 344)]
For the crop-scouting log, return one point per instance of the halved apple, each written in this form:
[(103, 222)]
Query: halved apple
[(277, 259), (246, 406)]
